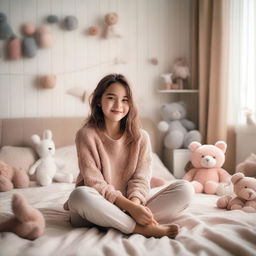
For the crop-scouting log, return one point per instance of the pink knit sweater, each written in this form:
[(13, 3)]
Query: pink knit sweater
[(111, 167)]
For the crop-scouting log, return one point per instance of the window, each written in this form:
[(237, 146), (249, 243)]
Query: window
[(242, 59)]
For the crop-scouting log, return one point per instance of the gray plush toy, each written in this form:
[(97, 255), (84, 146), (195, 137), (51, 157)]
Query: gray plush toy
[(5, 28), (180, 131)]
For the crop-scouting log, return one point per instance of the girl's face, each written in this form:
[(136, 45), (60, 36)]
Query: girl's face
[(115, 102)]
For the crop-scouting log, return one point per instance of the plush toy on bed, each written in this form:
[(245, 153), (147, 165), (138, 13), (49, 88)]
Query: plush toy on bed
[(245, 194), (46, 167), (11, 177), (27, 222), (207, 175), (180, 131)]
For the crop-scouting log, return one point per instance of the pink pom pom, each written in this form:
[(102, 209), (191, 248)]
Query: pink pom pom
[(28, 29), (93, 30), (48, 81)]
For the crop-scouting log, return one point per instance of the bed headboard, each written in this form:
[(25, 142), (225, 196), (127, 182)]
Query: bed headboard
[(17, 131)]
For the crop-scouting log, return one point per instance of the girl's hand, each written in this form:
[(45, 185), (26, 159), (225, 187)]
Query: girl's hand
[(142, 215), (154, 222)]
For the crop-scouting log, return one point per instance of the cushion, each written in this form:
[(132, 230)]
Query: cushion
[(159, 170), (68, 156), (18, 157)]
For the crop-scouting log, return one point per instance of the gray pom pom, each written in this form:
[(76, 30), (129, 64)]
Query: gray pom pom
[(52, 19), (70, 23), (5, 28), (29, 47)]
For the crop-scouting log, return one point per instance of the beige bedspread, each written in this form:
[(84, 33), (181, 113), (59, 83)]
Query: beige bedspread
[(205, 230)]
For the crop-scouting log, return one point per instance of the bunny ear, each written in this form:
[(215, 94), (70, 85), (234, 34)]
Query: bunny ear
[(221, 145), (193, 146), (47, 135), (36, 139)]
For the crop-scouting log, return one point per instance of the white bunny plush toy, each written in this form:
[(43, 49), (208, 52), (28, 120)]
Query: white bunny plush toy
[(46, 166)]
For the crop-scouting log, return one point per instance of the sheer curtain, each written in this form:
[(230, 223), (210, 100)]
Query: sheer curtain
[(242, 59)]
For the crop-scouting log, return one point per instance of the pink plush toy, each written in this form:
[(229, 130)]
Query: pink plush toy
[(11, 177), (207, 175), (27, 221), (245, 198)]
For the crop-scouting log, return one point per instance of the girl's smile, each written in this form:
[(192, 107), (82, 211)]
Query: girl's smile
[(115, 103)]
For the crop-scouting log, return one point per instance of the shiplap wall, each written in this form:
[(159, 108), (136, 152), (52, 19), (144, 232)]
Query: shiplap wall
[(150, 28)]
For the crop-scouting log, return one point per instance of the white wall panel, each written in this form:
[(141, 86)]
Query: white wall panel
[(150, 28)]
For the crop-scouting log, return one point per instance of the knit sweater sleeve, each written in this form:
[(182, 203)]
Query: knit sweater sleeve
[(139, 185), (89, 165)]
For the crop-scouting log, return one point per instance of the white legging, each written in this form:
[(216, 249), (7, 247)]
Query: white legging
[(88, 207)]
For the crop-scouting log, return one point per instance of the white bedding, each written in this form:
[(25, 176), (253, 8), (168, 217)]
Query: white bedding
[(205, 230)]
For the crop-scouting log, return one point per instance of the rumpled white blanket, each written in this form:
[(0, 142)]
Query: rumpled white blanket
[(205, 230)]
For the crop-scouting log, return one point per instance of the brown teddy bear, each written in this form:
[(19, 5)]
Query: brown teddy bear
[(11, 178), (245, 194), (27, 221)]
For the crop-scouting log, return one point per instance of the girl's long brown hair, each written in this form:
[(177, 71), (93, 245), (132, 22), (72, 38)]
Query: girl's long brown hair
[(130, 123)]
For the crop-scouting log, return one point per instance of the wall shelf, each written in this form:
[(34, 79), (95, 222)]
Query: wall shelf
[(178, 91)]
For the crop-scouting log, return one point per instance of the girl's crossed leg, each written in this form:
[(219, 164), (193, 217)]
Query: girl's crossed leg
[(88, 207)]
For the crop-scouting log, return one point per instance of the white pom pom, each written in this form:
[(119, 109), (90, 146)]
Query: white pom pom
[(163, 126)]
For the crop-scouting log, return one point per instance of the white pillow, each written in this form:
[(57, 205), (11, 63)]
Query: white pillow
[(18, 157), (68, 156), (159, 170)]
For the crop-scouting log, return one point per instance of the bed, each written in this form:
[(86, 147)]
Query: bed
[(205, 229)]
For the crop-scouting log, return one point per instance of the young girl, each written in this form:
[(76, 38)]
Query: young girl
[(112, 189)]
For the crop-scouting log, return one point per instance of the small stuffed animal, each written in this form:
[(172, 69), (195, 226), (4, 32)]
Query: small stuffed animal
[(207, 174), (46, 166), (180, 131), (245, 194), (180, 71), (27, 222), (11, 178)]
